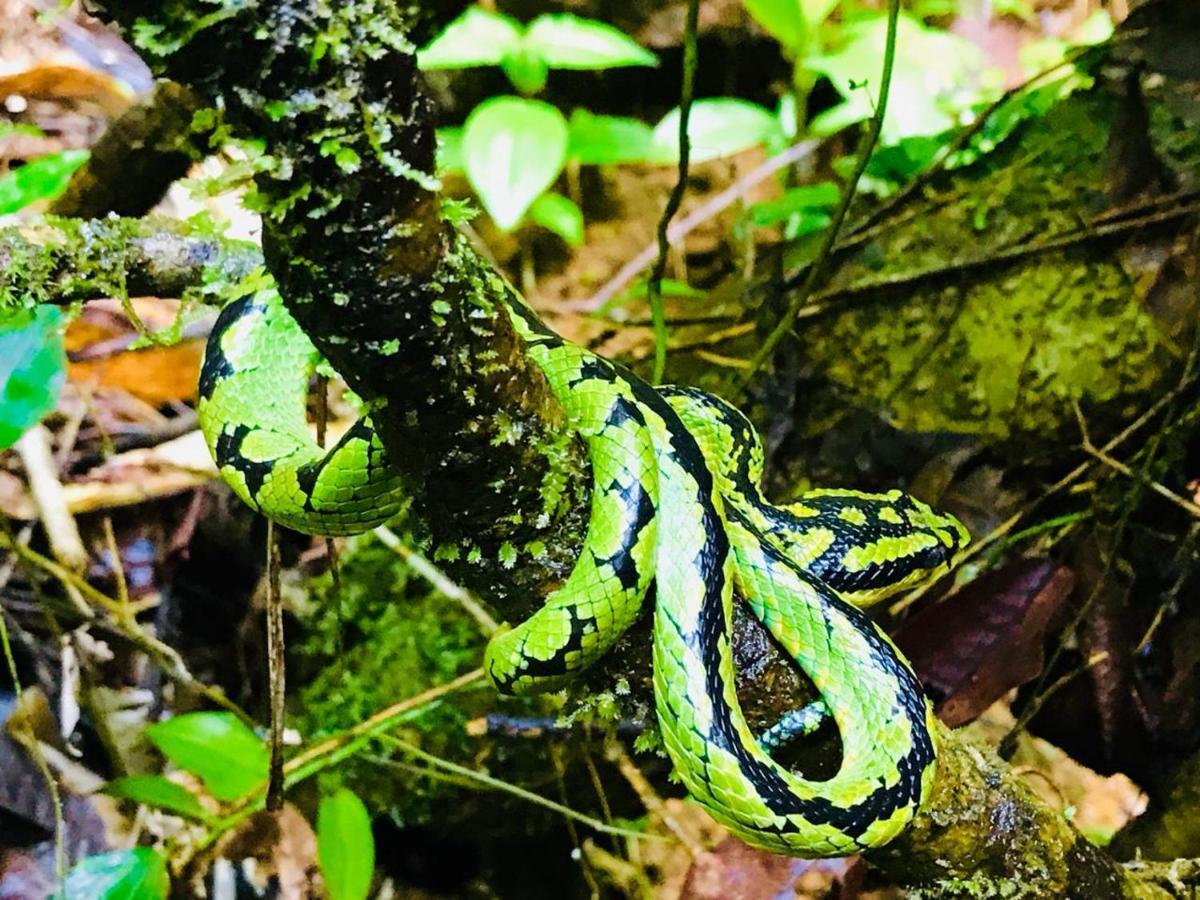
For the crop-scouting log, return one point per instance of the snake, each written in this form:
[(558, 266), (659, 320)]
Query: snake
[(676, 514)]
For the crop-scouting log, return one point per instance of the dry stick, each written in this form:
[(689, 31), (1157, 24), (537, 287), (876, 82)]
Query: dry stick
[(866, 147), (716, 205), (645, 790), (276, 670), (50, 499), (654, 289)]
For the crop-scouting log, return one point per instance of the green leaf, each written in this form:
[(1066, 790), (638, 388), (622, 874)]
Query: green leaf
[(719, 126), (513, 149), (784, 20), (137, 874), (934, 80), (526, 69), (567, 41), (607, 140), (476, 38), (33, 367), (43, 179), (810, 201), (157, 792), (345, 846), (557, 213), (228, 757)]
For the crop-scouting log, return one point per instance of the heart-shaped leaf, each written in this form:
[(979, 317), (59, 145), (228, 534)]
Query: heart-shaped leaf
[(608, 140), (717, 126), (228, 757), (476, 38), (513, 149), (567, 41)]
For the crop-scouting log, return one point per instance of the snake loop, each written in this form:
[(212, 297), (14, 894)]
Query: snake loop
[(675, 504)]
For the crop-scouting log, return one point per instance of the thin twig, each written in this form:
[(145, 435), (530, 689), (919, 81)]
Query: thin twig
[(276, 670), (500, 785), (691, 55), (680, 229), (865, 149), (47, 490), (1115, 464), (650, 799), (439, 580), (163, 655)]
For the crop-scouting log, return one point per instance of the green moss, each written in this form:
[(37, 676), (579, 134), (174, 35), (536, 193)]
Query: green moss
[(1005, 350)]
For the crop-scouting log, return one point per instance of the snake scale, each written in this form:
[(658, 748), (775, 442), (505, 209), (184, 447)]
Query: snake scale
[(676, 507)]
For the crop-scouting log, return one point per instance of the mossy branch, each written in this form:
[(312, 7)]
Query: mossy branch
[(58, 260)]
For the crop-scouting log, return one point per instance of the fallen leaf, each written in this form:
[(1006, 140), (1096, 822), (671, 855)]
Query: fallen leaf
[(972, 649)]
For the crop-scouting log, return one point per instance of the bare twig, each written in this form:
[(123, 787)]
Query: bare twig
[(865, 148), (276, 671), (497, 784), (50, 500), (654, 289), (439, 580)]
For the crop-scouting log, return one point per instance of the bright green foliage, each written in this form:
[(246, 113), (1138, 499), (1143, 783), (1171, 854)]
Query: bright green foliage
[(43, 179), (158, 792), (607, 140), (32, 369), (345, 846), (476, 38), (566, 41), (791, 21), (513, 149), (137, 874), (557, 213), (551, 41), (805, 209), (217, 747), (718, 126), (927, 95)]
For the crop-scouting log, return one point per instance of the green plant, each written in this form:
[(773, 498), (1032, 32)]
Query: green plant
[(137, 874), (32, 369), (42, 179), (512, 149), (345, 846)]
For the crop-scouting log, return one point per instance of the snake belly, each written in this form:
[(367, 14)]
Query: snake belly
[(675, 503)]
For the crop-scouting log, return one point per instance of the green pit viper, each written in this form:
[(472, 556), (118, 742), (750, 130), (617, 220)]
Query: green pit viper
[(675, 506)]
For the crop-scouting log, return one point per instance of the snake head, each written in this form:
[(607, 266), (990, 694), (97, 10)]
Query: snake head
[(952, 533)]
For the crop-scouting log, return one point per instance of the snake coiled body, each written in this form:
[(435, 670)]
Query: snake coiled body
[(675, 505)]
